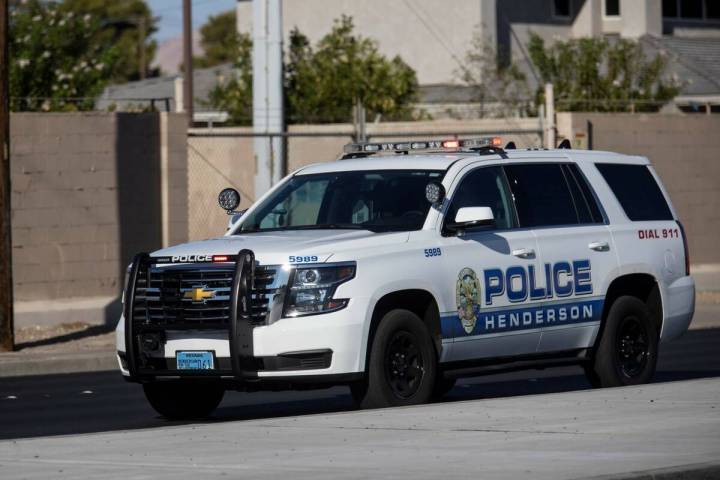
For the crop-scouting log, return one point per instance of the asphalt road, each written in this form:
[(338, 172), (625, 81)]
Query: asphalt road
[(102, 401)]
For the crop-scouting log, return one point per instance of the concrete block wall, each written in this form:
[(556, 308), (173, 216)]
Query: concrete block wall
[(86, 197), (684, 151)]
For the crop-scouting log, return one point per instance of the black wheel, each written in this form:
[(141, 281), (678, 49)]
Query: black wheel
[(183, 400), (402, 365), (443, 386), (627, 351)]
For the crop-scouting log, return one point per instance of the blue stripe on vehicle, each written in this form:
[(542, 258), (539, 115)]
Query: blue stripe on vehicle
[(512, 318)]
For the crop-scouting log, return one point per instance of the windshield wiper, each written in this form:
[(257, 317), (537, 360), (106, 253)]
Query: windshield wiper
[(324, 226), (329, 226)]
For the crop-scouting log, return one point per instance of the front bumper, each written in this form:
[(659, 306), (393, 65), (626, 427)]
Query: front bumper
[(324, 346)]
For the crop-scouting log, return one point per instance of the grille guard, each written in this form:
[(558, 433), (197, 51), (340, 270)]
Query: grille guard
[(240, 329)]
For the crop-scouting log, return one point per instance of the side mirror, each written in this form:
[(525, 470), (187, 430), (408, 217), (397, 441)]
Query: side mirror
[(469, 217), (229, 200)]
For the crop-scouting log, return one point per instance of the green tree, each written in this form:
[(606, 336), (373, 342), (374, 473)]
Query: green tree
[(220, 41), (594, 74), (126, 25), (54, 58), (499, 88), (235, 94), (324, 83)]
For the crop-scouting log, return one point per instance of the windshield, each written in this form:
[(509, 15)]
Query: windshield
[(392, 200)]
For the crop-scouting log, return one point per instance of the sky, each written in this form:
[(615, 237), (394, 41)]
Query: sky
[(170, 13)]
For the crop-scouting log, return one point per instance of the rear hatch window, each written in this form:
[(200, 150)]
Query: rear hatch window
[(637, 191)]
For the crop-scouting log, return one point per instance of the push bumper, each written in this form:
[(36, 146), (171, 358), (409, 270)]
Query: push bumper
[(322, 348)]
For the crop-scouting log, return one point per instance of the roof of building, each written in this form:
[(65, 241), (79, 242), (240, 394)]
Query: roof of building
[(695, 61), (139, 92)]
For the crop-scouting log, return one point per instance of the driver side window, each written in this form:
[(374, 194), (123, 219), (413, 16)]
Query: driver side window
[(484, 187)]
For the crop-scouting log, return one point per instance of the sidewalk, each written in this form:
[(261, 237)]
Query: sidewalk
[(67, 348)]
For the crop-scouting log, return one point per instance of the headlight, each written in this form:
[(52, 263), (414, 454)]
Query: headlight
[(125, 283), (312, 289)]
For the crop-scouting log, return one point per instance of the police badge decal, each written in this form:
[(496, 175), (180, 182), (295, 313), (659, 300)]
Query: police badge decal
[(467, 295)]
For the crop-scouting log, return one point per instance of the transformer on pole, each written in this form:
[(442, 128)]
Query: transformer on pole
[(268, 115)]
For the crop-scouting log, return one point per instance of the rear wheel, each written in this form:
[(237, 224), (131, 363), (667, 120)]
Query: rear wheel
[(627, 351), (183, 400), (402, 366)]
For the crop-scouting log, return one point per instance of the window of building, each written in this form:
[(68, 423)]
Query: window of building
[(542, 195), (637, 191), (691, 9), (712, 9), (670, 8), (612, 8), (561, 8)]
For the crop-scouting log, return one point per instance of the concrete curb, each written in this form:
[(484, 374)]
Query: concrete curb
[(22, 364), (701, 471)]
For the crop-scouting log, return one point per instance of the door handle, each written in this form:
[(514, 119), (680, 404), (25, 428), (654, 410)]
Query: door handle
[(524, 253), (599, 246)]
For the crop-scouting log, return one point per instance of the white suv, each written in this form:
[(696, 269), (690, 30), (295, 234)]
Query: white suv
[(406, 265)]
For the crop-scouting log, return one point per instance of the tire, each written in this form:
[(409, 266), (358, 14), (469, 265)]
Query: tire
[(442, 387), (402, 366), (627, 351), (183, 400)]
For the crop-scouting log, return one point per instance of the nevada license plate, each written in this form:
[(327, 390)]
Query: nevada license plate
[(195, 360)]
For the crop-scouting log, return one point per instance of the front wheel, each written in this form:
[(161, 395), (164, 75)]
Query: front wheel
[(183, 400), (402, 366), (627, 351)]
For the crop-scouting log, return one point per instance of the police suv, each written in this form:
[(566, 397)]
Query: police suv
[(404, 266)]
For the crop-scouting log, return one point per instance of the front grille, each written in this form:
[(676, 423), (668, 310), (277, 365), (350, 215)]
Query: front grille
[(160, 301)]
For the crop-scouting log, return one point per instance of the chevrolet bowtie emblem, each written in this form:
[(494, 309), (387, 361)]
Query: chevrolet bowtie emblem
[(199, 294)]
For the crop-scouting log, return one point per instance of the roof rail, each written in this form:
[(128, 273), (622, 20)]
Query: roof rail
[(360, 150)]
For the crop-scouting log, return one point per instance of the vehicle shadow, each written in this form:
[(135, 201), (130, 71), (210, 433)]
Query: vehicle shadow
[(91, 331)]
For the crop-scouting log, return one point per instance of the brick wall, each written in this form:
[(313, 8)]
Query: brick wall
[(684, 150), (86, 197)]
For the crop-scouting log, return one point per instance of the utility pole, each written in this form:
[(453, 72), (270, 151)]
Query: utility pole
[(141, 46), (7, 338), (268, 114), (187, 61)]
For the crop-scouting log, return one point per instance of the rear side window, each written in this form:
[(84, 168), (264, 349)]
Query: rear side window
[(637, 191), (585, 201), (542, 195)]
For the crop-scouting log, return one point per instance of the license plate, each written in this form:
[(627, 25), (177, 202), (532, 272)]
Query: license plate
[(195, 360)]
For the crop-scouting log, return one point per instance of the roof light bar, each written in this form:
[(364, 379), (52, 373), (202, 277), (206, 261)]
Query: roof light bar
[(405, 146)]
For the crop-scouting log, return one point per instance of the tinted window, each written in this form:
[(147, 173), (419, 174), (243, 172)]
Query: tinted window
[(484, 187), (542, 196), (637, 191), (585, 202), (392, 200)]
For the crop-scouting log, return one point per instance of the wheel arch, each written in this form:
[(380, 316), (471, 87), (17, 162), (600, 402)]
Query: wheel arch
[(643, 286), (419, 301)]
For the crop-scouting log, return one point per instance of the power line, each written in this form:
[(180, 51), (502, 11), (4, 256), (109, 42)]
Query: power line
[(435, 34)]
